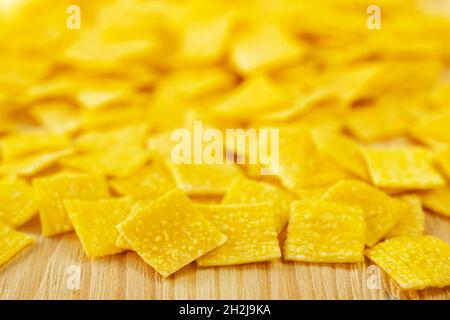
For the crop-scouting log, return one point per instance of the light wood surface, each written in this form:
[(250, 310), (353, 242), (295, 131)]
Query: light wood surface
[(47, 270)]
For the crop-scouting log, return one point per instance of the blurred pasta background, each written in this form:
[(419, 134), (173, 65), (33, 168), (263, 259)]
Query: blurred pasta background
[(230, 63)]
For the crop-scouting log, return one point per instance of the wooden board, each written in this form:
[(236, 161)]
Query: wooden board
[(49, 270)]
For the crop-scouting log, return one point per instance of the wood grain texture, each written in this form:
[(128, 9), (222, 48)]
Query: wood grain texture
[(44, 272)]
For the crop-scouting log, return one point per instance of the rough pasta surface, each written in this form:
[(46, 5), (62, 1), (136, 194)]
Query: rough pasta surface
[(11, 242), (321, 231), (250, 229), (170, 233), (381, 212), (415, 262), (251, 191), (17, 202), (404, 168), (95, 223), (52, 191)]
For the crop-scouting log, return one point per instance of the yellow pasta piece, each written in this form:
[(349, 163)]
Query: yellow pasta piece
[(264, 49), (57, 117), (381, 212), (193, 84), (149, 182), (415, 262), (170, 233), (412, 221), (402, 168), (214, 199), (161, 144), (11, 243), (249, 191), (17, 202), (17, 146), (301, 166), (378, 122), (433, 130), (33, 164), (321, 231), (95, 223), (116, 162), (127, 137), (256, 95), (97, 98), (52, 191), (203, 40), (113, 117), (250, 229), (437, 200), (121, 242), (443, 161), (203, 179), (345, 151)]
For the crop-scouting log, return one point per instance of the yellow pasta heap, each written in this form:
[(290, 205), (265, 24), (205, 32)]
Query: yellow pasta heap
[(92, 104)]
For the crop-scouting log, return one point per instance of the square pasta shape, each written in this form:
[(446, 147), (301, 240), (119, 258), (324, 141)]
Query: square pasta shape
[(437, 200), (31, 165), (301, 166), (265, 48), (412, 221), (149, 182), (250, 191), (115, 161), (204, 179), (121, 242), (414, 262), (322, 231), (381, 212), (250, 229), (344, 150), (95, 223), (17, 146), (442, 158), (170, 233), (402, 168), (52, 191), (11, 242), (17, 202)]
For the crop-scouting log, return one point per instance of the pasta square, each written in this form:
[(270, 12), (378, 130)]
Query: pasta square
[(17, 202), (381, 212), (301, 166), (250, 191), (263, 49), (33, 164), (95, 223), (256, 95), (17, 146), (11, 243), (404, 168), (321, 231), (149, 182), (52, 191), (203, 179), (412, 221), (170, 233), (415, 262), (437, 200), (346, 152), (115, 162), (250, 229)]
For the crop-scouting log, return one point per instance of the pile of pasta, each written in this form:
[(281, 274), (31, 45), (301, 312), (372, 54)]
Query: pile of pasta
[(87, 115)]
